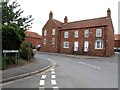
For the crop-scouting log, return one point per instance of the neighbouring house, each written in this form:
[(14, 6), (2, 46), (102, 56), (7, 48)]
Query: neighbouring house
[(34, 38), (86, 37), (117, 40)]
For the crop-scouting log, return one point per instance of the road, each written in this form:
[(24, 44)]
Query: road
[(72, 73)]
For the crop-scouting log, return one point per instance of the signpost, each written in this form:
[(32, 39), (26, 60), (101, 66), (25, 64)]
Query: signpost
[(12, 51)]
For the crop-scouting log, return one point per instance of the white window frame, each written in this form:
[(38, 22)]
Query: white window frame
[(99, 32), (86, 33), (76, 34), (45, 32), (53, 31), (101, 44), (66, 44), (53, 41), (66, 34), (44, 41)]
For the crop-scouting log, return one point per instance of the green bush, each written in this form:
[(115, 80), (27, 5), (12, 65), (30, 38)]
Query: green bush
[(24, 52), (7, 60)]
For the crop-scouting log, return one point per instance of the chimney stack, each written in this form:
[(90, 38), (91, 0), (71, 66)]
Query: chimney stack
[(50, 15), (65, 19), (109, 13)]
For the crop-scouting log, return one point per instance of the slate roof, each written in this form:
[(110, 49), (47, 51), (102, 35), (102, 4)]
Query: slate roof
[(103, 21)]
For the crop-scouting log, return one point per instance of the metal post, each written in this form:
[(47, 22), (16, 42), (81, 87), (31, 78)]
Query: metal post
[(28, 47)]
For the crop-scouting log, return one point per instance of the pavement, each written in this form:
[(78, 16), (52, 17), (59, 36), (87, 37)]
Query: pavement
[(27, 70), (34, 68)]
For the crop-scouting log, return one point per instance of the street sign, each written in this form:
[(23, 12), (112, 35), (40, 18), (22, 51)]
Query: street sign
[(10, 51)]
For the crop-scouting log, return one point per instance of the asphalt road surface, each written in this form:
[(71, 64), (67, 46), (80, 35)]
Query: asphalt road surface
[(73, 73)]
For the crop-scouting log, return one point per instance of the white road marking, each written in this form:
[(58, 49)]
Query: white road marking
[(90, 65), (52, 69), (53, 82), (53, 76), (42, 82), (43, 77), (53, 72), (55, 87)]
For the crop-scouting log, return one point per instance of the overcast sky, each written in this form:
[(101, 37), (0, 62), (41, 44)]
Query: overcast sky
[(74, 9)]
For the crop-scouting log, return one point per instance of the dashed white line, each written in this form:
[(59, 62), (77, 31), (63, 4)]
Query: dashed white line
[(55, 87), (53, 82), (42, 82), (53, 76), (53, 72), (52, 69), (43, 77), (90, 65)]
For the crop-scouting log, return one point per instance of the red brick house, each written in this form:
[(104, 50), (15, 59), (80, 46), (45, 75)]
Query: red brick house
[(117, 40), (86, 37), (34, 38)]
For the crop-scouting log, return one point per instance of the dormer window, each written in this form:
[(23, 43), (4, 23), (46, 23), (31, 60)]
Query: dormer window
[(98, 32), (53, 31), (45, 32), (86, 33)]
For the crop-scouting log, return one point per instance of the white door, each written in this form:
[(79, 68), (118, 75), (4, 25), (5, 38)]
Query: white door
[(76, 46), (86, 46)]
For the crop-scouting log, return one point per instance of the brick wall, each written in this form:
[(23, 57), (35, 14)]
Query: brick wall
[(48, 47), (91, 39), (34, 41)]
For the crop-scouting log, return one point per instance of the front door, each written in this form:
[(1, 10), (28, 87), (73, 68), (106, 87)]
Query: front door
[(76, 46), (86, 46)]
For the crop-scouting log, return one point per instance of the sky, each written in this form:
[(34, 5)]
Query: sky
[(75, 10)]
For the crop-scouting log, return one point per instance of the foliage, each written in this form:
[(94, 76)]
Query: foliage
[(13, 25), (8, 60), (12, 36), (24, 51), (11, 13)]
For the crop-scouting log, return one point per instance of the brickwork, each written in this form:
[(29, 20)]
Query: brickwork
[(103, 23)]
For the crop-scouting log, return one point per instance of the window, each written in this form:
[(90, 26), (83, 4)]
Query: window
[(98, 44), (66, 34), (98, 32), (53, 31), (45, 32), (66, 44), (53, 41), (86, 33), (44, 41), (76, 34)]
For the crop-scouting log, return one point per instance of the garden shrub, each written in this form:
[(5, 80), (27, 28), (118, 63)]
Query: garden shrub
[(24, 52)]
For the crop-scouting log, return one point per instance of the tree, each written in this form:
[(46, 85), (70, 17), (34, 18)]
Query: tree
[(13, 25), (11, 14), (12, 36)]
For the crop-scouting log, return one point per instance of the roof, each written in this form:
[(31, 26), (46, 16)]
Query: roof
[(86, 23), (58, 23), (117, 36), (33, 34)]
